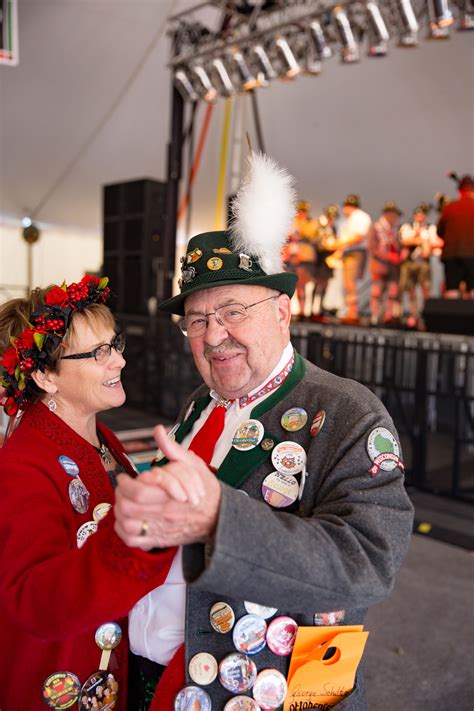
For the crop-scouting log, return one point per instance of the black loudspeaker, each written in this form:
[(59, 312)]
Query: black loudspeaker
[(450, 316), (134, 219)]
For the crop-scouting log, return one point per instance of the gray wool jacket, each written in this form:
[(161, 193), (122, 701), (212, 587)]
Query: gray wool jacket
[(338, 548)]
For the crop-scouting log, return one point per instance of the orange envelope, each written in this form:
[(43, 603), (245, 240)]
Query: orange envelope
[(318, 683)]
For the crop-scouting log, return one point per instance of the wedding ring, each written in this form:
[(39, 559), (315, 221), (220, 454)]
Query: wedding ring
[(144, 528)]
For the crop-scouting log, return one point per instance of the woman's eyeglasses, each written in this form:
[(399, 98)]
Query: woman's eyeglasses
[(102, 352)]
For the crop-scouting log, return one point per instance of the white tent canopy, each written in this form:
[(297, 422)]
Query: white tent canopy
[(89, 104)]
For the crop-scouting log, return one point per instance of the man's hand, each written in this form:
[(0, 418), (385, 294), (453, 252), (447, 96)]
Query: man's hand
[(175, 504)]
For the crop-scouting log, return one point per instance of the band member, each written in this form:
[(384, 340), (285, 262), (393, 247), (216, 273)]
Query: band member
[(420, 239), (456, 227), (384, 265), (301, 253), (352, 245), (325, 245)]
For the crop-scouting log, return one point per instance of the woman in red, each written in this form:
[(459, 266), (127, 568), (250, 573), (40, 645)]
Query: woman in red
[(67, 581)]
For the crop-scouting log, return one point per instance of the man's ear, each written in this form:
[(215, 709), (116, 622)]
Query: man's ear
[(284, 309), (46, 381)]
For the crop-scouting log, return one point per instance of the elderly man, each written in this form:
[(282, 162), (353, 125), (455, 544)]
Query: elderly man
[(283, 490)]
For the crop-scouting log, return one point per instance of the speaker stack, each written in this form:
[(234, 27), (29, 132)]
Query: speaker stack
[(450, 316), (134, 219)]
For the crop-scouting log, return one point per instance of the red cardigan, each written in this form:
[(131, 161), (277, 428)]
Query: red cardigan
[(53, 596)]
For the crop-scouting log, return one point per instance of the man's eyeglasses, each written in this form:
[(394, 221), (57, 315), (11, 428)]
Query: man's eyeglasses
[(102, 352), (194, 325)]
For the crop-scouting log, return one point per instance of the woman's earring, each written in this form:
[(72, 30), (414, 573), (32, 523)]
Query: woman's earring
[(52, 404)]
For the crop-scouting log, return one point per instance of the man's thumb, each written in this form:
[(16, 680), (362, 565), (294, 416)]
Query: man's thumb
[(171, 449)]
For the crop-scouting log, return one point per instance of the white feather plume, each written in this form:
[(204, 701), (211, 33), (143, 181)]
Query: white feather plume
[(263, 212)]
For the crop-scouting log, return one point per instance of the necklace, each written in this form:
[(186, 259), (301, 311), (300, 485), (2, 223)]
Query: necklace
[(104, 453)]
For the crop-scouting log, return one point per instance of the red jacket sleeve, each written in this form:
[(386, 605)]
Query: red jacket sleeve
[(50, 587)]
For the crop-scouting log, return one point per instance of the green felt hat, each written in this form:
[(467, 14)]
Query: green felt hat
[(211, 260)]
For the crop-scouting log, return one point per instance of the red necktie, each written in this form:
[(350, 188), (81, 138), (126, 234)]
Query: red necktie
[(204, 441)]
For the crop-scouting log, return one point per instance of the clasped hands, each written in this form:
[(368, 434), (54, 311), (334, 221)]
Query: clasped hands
[(175, 504)]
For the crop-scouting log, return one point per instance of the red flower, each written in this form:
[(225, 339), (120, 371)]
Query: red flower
[(9, 360), (87, 279), (10, 407), (58, 296), (28, 338)]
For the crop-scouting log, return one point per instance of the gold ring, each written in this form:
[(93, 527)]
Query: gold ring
[(144, 528)]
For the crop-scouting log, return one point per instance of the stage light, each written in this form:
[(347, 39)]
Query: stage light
[(441, 18), (321, 47), (223, 74), (378, 33), (209, 91), (349, 49), (408, 24), (264, 63), (292, 68), (184, 86), (248, 80), (467, 16)]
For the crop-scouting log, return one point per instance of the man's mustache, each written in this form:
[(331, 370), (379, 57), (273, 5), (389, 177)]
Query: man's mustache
[(229, 344)]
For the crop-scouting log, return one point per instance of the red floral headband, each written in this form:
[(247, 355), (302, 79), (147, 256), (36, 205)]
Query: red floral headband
[(31, 350)]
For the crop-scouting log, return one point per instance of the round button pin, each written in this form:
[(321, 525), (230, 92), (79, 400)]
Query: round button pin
[(78, 495), (289, 458), (281, 635), (317, 423), (192, 697), (100, 511), (69, 465), (248, 435), (280, 490), (203, 668), (100, 691), (249, 634), (261, 610), (267, 444), (241, 703), (222, 617), (237, 672), (270, 689), (61, 690), (108, 635), (294, 419), (214, 263), (87, 529)]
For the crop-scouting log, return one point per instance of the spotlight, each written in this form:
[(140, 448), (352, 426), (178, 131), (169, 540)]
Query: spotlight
[(312, 66), (349, 50), (321, 47), (210, 93), (266, 67), (248, 79), (223, 74), (289, 59), (467, 16), (184, 86), (441, 18), (408, 24), (378, 31)]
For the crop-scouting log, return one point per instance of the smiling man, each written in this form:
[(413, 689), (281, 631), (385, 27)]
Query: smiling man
[(283, 490)]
